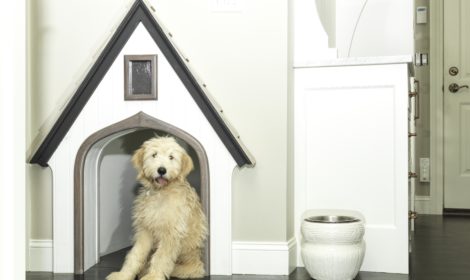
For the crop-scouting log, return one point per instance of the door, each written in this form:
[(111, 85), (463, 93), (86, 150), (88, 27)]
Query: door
[(456, 104)]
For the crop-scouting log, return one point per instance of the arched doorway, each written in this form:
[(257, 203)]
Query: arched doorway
[(86, 181)]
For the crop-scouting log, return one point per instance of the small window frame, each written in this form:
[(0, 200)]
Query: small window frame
[(128, 94)]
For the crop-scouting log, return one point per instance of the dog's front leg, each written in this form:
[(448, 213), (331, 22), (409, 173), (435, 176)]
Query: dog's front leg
[(136, 258), (164, 258)]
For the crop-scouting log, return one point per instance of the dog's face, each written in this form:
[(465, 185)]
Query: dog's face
[(160, 160)]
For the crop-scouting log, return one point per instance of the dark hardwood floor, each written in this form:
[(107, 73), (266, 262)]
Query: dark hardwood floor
[(441, 247), (441, 251)]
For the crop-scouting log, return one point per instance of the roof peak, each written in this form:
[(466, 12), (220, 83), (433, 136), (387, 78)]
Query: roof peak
[(139, 13)]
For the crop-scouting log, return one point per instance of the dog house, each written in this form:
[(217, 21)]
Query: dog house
[(138, 86)]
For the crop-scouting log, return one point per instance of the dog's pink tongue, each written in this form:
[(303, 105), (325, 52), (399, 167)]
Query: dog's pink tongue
[(162, 181)]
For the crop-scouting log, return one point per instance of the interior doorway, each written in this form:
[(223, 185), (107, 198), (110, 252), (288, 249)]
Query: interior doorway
[(440, 242)]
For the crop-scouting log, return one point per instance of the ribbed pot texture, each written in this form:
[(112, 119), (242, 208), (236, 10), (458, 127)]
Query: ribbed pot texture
[(333, 251)]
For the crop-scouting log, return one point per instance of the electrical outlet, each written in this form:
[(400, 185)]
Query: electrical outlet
[(424, 170)]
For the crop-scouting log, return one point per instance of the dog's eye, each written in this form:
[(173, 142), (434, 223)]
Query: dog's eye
[(154, 155), (171, 157)]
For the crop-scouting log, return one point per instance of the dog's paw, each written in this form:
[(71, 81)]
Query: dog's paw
[(119, 276), (152, 276), (195, 270)]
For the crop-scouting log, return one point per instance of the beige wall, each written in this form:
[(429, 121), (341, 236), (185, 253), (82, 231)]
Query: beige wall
[(422, 45), (62, 40), (40, 190), (290, 209), (241, 56)]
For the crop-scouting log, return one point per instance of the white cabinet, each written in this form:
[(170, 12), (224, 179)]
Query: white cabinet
[(351, 152)]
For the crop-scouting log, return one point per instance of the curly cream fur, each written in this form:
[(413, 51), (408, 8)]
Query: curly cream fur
[(170, 226)]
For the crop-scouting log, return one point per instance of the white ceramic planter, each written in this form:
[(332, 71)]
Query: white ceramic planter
[(333, 251)]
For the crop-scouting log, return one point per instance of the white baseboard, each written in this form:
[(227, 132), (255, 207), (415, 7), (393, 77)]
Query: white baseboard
[(425, 206), (259, 258), (40, 255), (264, 258)]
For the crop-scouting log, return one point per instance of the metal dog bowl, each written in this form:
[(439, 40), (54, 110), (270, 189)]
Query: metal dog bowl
[(331, 219)]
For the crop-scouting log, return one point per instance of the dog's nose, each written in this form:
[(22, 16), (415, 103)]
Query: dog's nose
[(161, 170)]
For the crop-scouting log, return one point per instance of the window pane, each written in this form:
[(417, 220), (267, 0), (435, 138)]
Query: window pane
[(141, 77)]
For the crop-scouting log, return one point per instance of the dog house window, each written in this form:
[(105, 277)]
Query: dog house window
[(140, 77)]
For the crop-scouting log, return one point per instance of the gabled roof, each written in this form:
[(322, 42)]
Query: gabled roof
[(139, 13)]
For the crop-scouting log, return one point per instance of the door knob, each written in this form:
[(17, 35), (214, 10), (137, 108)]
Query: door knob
[(455, 87)]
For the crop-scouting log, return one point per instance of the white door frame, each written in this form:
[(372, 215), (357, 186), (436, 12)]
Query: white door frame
[(437, 106)]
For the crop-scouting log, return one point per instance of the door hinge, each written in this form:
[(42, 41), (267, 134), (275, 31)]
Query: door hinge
[(412, 215)]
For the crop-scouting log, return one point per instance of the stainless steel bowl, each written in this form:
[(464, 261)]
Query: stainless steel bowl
[(331, 219)]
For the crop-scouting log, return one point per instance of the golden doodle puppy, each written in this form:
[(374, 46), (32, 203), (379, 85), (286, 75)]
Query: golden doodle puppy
[(169, 224)]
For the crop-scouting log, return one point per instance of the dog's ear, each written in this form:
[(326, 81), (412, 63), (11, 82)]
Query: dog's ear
[(138, 158), (186, 165)]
